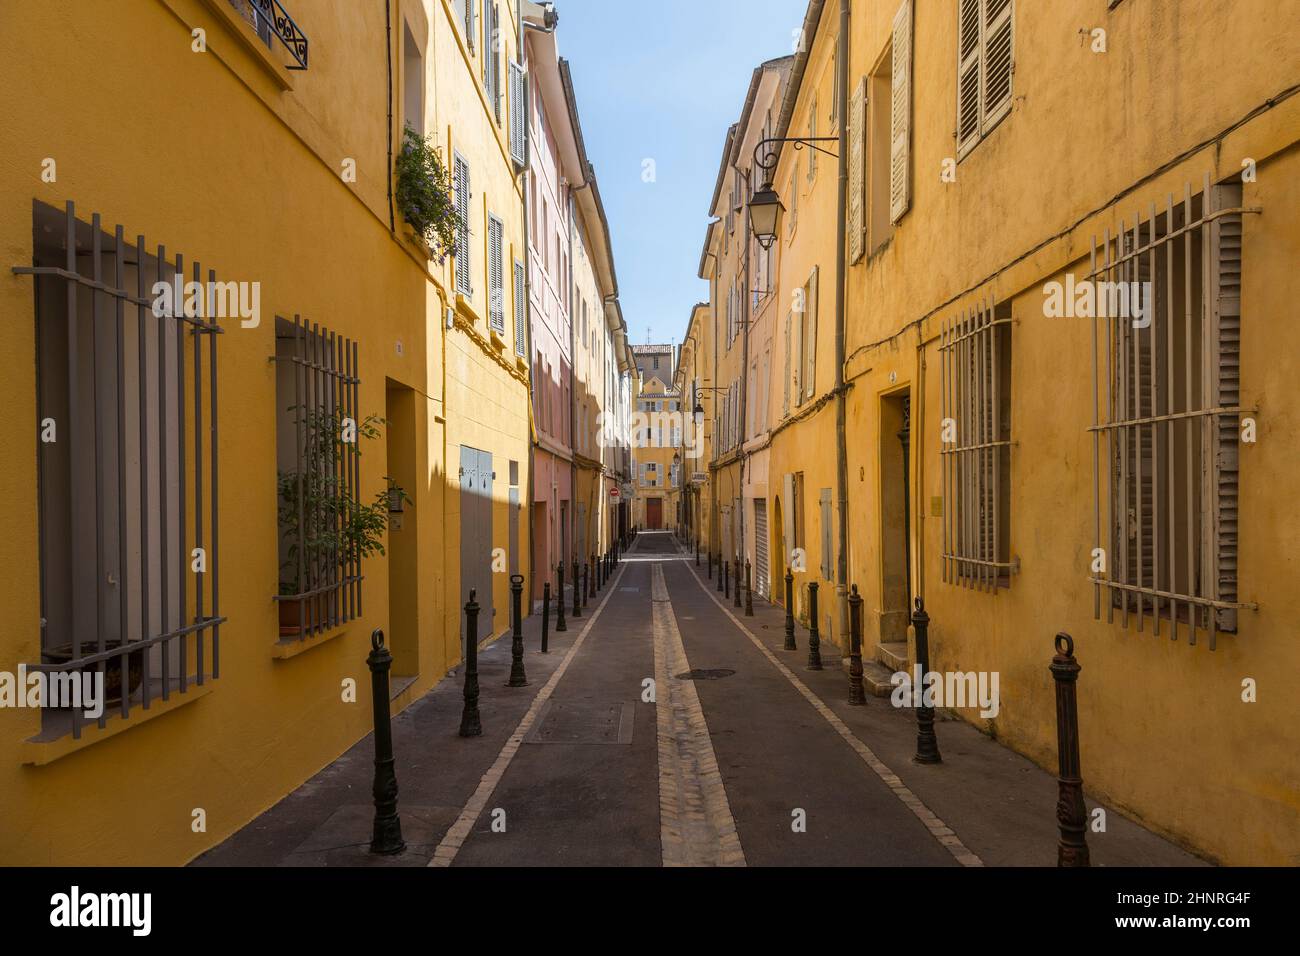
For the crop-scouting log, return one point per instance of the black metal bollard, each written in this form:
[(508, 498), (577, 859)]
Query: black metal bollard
[(586, 583), (595, 581), (470, 725), (749, 590), (386, 837), (517, 676), (559, 599), (577, 591), (737, 566), (726, 580), (814, 636), (857, 696), (697, 553), (1071, 813), (710, 555), (546, 617), (790, 644), (927, 744)]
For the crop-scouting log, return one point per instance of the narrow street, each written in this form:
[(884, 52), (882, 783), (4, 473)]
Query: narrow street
[(755, 761)]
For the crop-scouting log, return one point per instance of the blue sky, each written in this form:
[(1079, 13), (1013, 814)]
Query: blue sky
[(663, 80)]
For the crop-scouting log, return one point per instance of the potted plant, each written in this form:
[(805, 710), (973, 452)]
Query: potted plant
[(425, 197), (323, 529)]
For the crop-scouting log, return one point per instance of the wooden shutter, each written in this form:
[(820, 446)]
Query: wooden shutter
[(496, 276), (900, 113), (812, 134), (518, 107), (969, 50), (996, 62), (471, 23), (462, 187), (810, 336), (1225, 366), (785, 403), (521, 310), (857, 172), (495, 55)]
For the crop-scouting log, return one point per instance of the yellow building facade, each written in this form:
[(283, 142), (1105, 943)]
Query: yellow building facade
[(161, 526), (1021, 452)]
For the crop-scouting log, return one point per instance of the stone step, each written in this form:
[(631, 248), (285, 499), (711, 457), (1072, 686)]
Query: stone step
[(876, 679), (893, 655)]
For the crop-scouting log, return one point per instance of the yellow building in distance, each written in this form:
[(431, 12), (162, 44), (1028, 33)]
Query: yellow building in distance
[(657, 428)]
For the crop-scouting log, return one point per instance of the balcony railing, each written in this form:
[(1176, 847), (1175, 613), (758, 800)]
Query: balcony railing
[(270, 18)]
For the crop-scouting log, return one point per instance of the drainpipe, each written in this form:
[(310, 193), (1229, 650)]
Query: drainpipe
[(388, 53), (841, 429), (747, 305)]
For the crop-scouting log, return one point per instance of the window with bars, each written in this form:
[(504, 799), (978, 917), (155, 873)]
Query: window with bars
[(496, 275), (461, 186), (975, 374), (985, 67), (126, 466), (1167, 407), (320, 516)]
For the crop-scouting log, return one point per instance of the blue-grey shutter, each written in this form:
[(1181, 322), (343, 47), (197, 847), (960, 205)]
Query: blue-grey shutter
[(521, 310), (518, 107), (496, 276), (462, 189)]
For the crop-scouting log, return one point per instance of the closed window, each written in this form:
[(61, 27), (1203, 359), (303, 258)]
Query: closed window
[(1169, 415), (985, 65), (126, 466), (975, 434)]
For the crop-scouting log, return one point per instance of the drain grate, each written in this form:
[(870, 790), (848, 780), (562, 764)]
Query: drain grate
[(716, 673)]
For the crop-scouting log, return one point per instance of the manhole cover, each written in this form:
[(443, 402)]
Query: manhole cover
[(716, 673), (583, 722)]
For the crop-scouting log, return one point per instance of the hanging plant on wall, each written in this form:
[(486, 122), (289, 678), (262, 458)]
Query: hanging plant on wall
[(424, 194)]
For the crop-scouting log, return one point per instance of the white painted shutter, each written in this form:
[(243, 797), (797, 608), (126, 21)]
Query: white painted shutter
[(857, 172), (496, 283), (900, 113), (521, 310), (968, 75), (810, 337), (518, 107), (471, 23), (495, 54), (462, 187)]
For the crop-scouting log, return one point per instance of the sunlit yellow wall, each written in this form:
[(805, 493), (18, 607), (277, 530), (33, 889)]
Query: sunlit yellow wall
[(230, 159), (1165, 735), (487, 383), (804, 434)]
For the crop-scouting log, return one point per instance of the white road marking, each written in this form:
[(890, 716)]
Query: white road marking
[(695, 823), (937, 828), (459, 832)]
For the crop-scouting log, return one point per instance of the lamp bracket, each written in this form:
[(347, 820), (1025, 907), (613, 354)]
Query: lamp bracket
[(766, 153)]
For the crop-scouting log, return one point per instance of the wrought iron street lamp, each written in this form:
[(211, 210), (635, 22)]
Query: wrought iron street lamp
[(765, 206)]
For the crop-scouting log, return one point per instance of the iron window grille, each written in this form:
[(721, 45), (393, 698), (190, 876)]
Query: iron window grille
[(127, 468), (975, 375), (1166, 511), (317, 389), (269, 18)]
